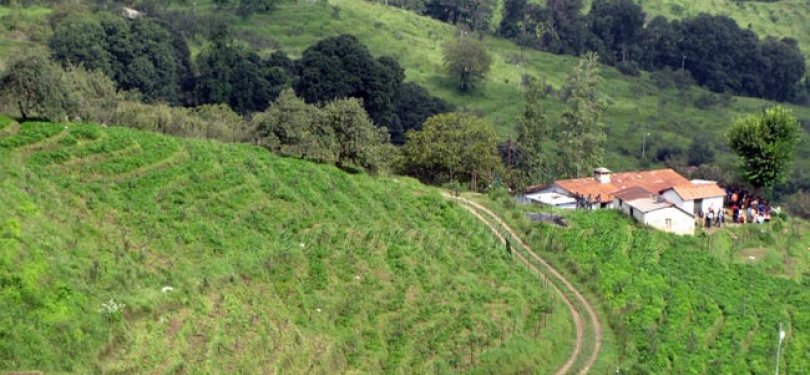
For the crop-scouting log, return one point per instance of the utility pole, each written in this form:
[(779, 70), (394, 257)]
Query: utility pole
[(683, 62), (644, 146)]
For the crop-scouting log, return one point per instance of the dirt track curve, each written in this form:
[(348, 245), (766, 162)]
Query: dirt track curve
[(553, 275)]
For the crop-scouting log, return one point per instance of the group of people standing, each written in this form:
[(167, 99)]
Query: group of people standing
[(743, 207)]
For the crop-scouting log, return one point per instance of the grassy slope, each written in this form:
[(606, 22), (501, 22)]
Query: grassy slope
[(417, 42), (784, 18), (689, 304), (277, 265)]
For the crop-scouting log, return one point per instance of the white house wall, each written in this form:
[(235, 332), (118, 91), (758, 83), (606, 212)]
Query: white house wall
[(681, 222), (672, 196), (716, 203)]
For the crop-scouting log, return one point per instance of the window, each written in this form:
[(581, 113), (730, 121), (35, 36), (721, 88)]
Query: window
[(668, 223)]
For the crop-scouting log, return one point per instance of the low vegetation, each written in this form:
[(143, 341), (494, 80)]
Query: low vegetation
[(711, 303), (128, 251)]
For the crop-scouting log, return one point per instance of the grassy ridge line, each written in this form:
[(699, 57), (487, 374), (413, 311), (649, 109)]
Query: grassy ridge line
[(277, 265), (636, 105)]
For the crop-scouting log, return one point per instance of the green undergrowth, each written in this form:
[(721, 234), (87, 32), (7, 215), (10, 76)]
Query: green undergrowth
[(130, 252), (694, 304)]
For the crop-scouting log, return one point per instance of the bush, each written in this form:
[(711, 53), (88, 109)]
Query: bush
[(628, 68), (799, 204)]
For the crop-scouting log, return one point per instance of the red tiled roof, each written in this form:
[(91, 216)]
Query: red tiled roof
[(691, 191), (654, 180)]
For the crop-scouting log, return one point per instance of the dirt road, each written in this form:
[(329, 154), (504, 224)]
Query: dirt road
[(573, 299)]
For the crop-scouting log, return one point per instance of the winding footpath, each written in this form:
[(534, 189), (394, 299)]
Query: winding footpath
[(561, 285)]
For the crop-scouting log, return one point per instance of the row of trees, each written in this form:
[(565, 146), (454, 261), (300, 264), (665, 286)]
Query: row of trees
[(714, 49), (145, 56)]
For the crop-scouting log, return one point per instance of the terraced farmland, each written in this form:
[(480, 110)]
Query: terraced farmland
[(131, 252), (684, 304)]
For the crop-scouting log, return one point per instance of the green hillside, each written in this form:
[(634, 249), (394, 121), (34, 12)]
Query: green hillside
[(708, 304), (636, 104), (275, 265)]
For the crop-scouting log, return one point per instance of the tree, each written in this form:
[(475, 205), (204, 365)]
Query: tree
[(581, 133), (91, 95), (138, 55), (291, 127), (231, 74), (476, 14), (360, 143), (785, 68), (450, 147), (35, 85), (413, 106), (533, 136), (700, 152), (340, 67), (619, 23), (466, 60), (766, 144), (81, 41)]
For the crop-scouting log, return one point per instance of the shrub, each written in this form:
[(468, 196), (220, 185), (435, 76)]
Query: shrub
[(628, 68)]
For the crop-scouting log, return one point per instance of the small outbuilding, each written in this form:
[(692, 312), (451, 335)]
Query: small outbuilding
[(657, 212), (696, 198)]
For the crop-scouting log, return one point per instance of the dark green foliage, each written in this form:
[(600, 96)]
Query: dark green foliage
[(340, 67), (413, 106), (230, 73), (700, 152), (476, 14), (619, 24), (138, 55), (785, 68)]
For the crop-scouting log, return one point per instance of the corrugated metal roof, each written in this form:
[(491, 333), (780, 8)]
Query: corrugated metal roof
[(698, 191)]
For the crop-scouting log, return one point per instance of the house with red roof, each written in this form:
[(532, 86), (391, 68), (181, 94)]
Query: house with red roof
[(661, 198)]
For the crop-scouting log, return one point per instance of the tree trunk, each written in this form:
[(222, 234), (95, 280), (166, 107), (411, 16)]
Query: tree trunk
[(22, 111)]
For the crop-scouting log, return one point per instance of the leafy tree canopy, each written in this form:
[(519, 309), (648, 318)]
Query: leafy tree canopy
[(766, 144), (450, 147)]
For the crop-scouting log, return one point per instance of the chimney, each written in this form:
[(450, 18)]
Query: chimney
[(602, 175)]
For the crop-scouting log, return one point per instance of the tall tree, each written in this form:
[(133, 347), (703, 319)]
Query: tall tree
[(466, 60), (785, 68), (361, 144), (619, 23), (533, 136), (766, 144), (340, 67), (450, 147), (35, 86), (414, 105), (476, 14), (581, 132)]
